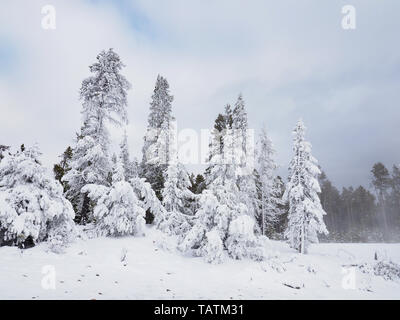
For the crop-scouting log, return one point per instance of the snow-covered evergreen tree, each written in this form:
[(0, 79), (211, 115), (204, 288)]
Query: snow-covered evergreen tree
[(216, 145), (282, 209), (156, 148), (89, 165), (243, 159), (104, 94), (219, 206), (240, 128), (176, 193), (32, 204), (270, 201), (305, 218), (178, 200), (104, 99), (222, 220), (130, 167), (117, 211), (196, 241)]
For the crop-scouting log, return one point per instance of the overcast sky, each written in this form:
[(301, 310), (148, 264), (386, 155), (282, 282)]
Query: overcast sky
[(289, 59)]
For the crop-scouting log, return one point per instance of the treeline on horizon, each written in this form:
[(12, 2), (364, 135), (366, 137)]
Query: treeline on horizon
[(357, 214)]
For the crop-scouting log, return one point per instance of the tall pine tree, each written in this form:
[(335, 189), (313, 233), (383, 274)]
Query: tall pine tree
[(243, 159), (156, 148), (222, 224), (104, 97), (305, 219)]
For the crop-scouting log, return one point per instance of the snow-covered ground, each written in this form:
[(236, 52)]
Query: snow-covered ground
[(93, 269)]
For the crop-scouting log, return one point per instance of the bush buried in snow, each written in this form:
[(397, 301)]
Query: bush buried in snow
[(32, 204)]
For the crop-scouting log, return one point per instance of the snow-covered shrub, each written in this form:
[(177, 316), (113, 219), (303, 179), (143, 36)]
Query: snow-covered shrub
[(165, 242), (241, 242), (193, 240), (32, 205), (195, 237), (230, 223), (117, 211), (273, 264), (387, 269), (176, 223), (213, 249), (60, 234), (365, 268), (311, 268)]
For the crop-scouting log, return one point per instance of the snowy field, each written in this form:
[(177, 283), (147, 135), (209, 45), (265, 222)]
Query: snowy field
[(147, 268)]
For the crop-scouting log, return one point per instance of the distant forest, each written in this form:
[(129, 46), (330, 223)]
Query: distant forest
[(358, 215)]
